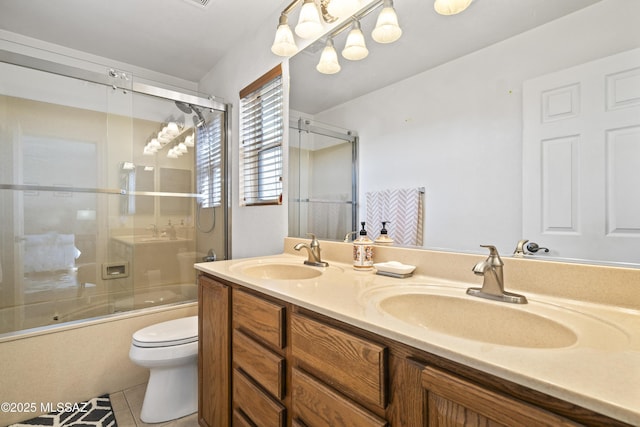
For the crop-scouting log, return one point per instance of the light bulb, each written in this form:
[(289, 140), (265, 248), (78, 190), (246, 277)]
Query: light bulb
[(355, 47), (172, 129), (451, 7), (328, 60), (284, 44), (387, 29), (342, 8), (309, 25)]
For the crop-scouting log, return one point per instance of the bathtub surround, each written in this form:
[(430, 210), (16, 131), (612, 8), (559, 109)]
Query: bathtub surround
[(82, 359)]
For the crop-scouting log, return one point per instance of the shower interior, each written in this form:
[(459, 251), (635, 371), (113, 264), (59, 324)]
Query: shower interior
[(95, 216)]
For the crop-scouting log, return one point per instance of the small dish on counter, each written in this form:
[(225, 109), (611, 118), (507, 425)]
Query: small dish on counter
[(394, 269)]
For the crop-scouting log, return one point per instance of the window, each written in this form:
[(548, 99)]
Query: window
[(209, 161), (261, 135)]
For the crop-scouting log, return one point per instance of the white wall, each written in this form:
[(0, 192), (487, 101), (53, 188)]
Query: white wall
[(457, 129), (257, 230)]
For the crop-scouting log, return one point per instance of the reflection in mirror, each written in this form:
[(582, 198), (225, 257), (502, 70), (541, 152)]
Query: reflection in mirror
[(175, 181), (322, 177), (84, 233), (448, 116)]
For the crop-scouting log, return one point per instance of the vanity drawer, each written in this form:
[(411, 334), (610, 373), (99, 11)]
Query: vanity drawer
[(315, 404), (352, 365), (260, 363), (258, 406), (259, 318)]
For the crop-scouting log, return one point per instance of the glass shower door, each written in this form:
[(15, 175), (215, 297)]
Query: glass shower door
[(323, 180)]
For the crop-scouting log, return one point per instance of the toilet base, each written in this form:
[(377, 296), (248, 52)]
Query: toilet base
[(172, 393)]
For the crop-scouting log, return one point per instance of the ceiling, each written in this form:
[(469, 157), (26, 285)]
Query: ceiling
[(180, 38), (428, 40)]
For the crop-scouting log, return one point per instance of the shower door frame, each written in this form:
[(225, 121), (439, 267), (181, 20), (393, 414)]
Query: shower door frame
[(308, 125), (120, 80)]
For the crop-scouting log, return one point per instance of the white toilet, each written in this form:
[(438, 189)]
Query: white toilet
[(170, 351)]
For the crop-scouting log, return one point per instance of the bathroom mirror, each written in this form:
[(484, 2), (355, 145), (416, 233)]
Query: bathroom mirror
[(443, 108)]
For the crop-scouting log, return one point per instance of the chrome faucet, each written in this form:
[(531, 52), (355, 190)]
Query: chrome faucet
[(493, 284), (154, 230), (313, 250), (520, 249)]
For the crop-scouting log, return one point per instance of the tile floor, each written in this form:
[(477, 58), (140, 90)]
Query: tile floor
[(128, 403)]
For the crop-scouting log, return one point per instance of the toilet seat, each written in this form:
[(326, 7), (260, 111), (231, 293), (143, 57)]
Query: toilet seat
[(167, 334)]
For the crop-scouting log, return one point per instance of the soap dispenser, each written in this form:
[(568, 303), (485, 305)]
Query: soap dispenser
[(363, 251), (384, 239)]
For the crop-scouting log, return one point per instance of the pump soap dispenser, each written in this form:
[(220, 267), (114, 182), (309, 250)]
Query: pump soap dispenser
[(384, 239), (363, 251)]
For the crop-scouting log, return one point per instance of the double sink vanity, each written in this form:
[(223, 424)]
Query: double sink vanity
[(283, 343)]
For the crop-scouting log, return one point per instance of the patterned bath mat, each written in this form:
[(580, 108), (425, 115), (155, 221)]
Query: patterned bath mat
[(96, 412)]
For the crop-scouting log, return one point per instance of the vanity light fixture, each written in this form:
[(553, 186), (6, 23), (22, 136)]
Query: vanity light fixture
[(309, 26), (328, 59), (340, 8), (284, 43), (170, 132), (355, 48), (387, 29), (451, 7)]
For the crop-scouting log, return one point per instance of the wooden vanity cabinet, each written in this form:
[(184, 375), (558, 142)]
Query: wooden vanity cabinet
[(454, 401), (258, 360), (336, 375), (213, 352), (265, 362)]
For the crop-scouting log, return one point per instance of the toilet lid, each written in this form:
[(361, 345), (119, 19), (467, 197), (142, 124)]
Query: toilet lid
[(172, 332)]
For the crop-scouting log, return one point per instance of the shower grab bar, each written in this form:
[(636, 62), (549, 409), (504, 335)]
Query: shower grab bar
[(60, 189)]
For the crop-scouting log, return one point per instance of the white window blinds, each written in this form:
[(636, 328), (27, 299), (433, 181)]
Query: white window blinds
[(209, 161), (261, 134)]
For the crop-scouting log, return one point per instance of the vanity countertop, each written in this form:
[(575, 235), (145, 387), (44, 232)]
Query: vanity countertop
[(601, 371)]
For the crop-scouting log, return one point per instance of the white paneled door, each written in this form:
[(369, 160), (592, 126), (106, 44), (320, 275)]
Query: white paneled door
[(581, 165)]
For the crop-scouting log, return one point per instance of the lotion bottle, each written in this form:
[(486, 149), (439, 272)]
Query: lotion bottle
[(384, 239), (363, 251)]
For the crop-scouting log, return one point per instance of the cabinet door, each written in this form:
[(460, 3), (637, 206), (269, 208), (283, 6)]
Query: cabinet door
[(353, 365), (316, 405), (213, 353), (259, 318), (453, 401)]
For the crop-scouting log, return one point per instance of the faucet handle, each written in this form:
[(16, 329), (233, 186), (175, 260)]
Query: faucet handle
[(520, 251), (314, 241), (493, 254)]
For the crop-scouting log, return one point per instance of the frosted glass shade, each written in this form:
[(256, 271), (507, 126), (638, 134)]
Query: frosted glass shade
[(355, 47), (342, 8), (309, 25), (284, 44), (387, 29), (328, 60), (451, 7)]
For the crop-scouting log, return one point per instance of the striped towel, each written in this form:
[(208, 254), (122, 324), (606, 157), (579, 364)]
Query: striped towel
[(402, 209)]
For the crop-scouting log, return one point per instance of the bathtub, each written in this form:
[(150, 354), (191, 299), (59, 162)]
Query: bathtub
[(77, 360), (40, 316)]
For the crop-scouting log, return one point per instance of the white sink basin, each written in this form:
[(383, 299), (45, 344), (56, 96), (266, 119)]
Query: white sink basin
[(281, 272), (477, 320), (450, 311)]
